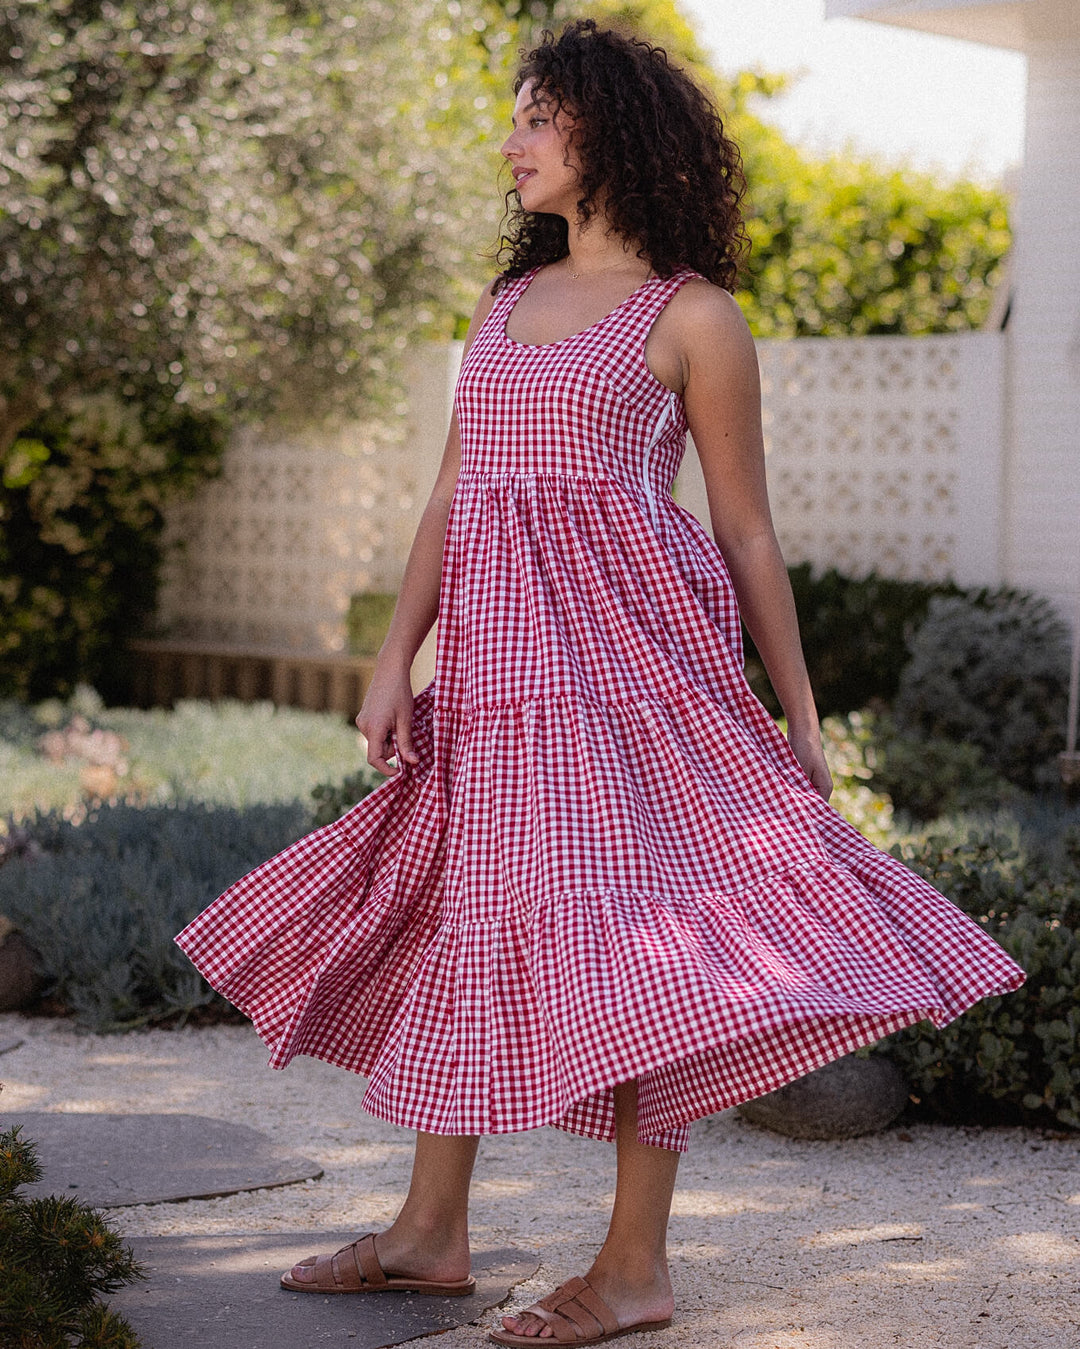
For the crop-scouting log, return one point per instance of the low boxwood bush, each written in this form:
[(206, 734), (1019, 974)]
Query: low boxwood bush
[(1016, 1057), (333, 799), (59, 1259), (991, 669), (101, 901), (926, 779), (849, 748), (876, 768)]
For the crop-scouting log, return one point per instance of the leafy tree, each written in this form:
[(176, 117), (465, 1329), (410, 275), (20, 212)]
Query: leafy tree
[(210, 210), (232, 206), (846, 247)]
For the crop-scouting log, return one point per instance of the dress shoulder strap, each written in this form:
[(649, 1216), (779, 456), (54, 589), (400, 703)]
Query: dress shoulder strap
[(512, 289), (653, 297)]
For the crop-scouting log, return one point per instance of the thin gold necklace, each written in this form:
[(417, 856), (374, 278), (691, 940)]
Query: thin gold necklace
[(596, 270)]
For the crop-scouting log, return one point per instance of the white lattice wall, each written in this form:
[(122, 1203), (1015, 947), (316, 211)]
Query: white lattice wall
[(270, 552), (883, 454)]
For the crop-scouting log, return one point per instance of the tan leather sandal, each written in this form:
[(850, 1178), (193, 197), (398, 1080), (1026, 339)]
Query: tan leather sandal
[(577, 1314), (356, 1269)]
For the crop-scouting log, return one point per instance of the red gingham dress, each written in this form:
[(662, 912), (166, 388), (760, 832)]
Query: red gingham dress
[(607, 863)]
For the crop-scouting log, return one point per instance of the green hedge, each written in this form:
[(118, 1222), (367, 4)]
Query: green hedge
[(923, 779), (991, 669), (82, 493), (855, 634), (1015, 1057)]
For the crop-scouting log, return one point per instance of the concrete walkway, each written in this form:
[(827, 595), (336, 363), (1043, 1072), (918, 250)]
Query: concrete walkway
[(922, 1237)]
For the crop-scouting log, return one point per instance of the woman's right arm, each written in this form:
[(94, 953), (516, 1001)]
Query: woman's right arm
[(385, 719)]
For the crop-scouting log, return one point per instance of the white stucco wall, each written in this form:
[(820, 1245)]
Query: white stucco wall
[(1042, 543)]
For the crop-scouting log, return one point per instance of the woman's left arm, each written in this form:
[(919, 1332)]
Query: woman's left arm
[(722, 395)]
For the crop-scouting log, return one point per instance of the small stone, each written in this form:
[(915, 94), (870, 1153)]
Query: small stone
[(844, 1099), (20, 982)]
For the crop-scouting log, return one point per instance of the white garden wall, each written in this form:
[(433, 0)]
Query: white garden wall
[(883, 454), (1043, 486)]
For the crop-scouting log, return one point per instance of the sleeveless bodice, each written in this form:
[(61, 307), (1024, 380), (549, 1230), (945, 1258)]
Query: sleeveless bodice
[(587, 405)]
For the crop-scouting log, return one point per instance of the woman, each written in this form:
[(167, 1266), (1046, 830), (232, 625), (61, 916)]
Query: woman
[(599, 889)]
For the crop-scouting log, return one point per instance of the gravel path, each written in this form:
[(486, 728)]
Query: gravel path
[(923, 1237)]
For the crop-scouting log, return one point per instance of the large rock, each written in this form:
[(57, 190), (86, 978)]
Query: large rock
[(20, 982), (844, 1099)]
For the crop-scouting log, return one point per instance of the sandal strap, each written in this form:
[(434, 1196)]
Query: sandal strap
[(351, 1269), (328, 1277), (368, 1262), (578, 1312), (562, 1330)]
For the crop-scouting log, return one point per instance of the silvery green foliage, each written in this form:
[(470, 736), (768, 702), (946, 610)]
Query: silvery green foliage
[(101, 901), (991, 669), (223, 753), (231, 204)]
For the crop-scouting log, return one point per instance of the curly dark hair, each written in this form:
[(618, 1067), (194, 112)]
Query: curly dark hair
[(651, 141)]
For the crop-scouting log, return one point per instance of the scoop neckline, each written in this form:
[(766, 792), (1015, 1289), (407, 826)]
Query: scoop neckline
[(530, 277)]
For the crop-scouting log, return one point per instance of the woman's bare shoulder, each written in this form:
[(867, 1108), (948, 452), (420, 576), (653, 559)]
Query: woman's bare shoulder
[(702, 311), (487, 297), (701, 326)]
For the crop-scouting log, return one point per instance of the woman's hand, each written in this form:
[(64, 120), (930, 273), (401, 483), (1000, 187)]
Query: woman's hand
[(806, 746), (385, 720)]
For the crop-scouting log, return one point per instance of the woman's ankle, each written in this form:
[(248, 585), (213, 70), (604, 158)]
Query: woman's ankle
[(432, 1227), (435, 1251), (632, 1266)]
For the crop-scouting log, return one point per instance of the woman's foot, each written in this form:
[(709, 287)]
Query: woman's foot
[(435, 1257), (632, 1295)]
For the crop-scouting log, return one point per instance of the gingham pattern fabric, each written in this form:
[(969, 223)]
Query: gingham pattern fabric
[(607, 863)]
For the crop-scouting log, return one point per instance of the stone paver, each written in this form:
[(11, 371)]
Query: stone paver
[(115, 1161), (221, 1293)]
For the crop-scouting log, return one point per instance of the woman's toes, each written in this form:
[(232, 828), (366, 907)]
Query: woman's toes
[(525, 1323), (302, 1273)]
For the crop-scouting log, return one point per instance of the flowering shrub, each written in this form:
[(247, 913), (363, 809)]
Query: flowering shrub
[(224, 753)]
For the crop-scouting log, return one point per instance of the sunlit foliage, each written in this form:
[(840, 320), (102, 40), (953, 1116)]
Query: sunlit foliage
[(842, 245), (846, 246), (238, 205)]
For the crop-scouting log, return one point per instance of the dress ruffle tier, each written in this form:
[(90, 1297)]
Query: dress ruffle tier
[(497, 999)]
